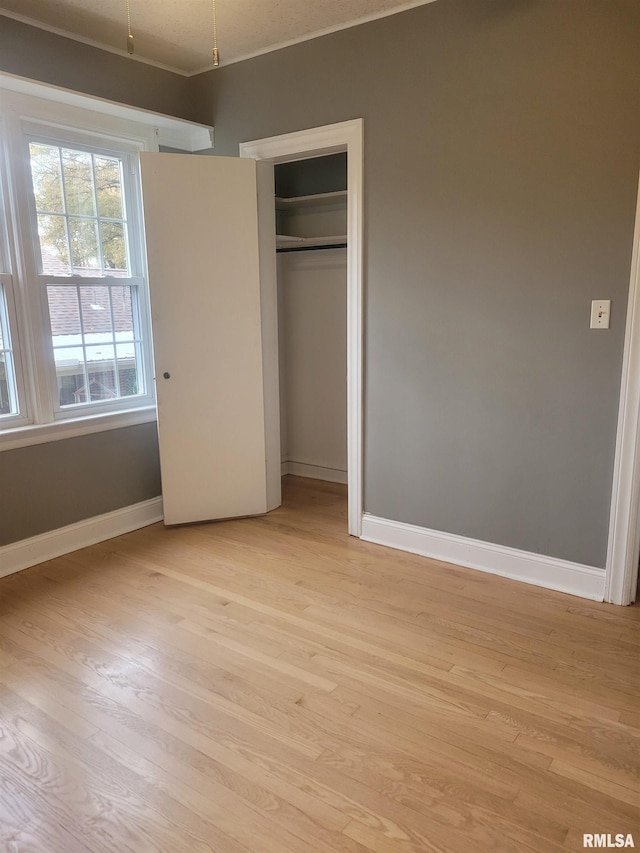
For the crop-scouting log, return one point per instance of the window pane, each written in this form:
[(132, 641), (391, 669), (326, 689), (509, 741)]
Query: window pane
[(70, 374), (128, 370), (54, 248), (46, 176), (8, 395), (108, 187), (80, 209), (83, 238), (86, 382), (96, 314), (101, 371), (122, 313), (77, 175), (64, 316), (68, 352), (113, 247), (7, 406), (97, 351)]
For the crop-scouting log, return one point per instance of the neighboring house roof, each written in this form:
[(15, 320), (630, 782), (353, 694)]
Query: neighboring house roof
[(64, 312)]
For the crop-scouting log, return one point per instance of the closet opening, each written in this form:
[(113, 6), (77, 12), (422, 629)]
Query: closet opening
[(307, 146), (311, 252)]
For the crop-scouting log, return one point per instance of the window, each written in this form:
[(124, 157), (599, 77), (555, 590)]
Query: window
[(75, 351), (94, 303), (75, 343)]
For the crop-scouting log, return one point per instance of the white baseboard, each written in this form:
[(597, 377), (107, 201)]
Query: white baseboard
[(537, 569), (314, 472), (55, 543)]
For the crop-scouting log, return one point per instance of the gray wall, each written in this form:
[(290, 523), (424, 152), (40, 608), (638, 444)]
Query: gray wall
[(312, 341), (51, 485), (502, 145)]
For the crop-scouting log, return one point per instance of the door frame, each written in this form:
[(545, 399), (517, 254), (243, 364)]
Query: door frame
[(624, 527), (316, 142)]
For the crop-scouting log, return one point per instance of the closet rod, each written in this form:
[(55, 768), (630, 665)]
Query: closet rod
[(311, 248)]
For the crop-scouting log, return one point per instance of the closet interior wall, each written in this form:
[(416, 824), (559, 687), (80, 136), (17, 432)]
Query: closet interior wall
[(312, 316)]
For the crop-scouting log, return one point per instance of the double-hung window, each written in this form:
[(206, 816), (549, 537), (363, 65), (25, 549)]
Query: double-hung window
[(85, 235), (75, 341)]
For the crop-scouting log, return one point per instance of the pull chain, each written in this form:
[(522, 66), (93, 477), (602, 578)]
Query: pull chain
[(129, 33), (214, 53)]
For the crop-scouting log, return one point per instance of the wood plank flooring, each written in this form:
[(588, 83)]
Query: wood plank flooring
[(274, 686)]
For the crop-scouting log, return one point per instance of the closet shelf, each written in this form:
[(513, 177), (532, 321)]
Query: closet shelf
[(286, 241), (318, 199)]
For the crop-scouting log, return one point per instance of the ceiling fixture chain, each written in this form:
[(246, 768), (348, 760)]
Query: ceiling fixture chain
[(215, 56), (214, 53), (129, 33)]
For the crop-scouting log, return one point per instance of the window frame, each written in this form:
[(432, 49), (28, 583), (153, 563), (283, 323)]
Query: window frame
[(10, 330), (132, 196), (8, 297)]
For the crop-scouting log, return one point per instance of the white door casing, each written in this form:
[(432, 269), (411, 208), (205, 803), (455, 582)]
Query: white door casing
[(204, 272), (269, 313), (624, 526), (315, 142)]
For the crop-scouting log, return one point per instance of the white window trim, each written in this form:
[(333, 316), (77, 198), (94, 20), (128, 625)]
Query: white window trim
[(23, 105), (170, 131), (137, 273), (18, 419), (11, 439)]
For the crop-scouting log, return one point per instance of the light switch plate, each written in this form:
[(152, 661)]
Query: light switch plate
[(600, 312)]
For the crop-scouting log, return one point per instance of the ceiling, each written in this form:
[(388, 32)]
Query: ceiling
[(177, 34)]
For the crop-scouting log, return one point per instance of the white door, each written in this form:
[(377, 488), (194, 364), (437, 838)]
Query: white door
[(203, 252)]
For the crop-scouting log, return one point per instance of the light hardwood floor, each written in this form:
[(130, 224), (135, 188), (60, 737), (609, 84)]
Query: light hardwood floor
[(274, 686)]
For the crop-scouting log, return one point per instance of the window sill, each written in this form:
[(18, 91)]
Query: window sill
[(24, 436)]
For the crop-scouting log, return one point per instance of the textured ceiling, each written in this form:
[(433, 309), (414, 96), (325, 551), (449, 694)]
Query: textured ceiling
[(178, 33)]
